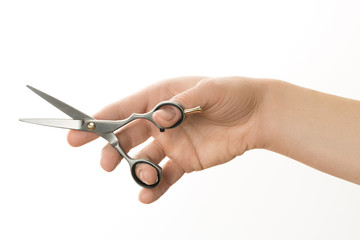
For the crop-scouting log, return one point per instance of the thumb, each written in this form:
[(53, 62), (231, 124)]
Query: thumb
[(193, 97), (167, 116)]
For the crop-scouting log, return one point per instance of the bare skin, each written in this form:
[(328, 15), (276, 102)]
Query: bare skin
[(239, 114)]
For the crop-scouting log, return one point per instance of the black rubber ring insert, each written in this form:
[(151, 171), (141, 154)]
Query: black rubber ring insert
[(178, 106), (141, 183)]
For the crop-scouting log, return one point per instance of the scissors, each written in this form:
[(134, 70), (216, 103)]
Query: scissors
[(106, 128)]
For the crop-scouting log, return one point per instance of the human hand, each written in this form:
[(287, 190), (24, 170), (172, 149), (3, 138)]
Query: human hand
[(227, 127)]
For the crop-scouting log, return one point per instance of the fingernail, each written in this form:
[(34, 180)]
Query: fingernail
[(167, 113), (141, 175)]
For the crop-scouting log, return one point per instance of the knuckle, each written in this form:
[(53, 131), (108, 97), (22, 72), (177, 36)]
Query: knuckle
[(183, 99)]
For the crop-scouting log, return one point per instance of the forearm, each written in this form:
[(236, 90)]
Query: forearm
[(317, 129)]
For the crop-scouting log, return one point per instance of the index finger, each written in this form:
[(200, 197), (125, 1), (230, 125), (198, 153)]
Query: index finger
[(136, 103), (118, 110)]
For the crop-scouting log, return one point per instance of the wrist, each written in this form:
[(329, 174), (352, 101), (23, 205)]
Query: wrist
[(266, 113), (282, 115)]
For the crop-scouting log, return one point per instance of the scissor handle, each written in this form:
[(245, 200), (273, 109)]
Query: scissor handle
[(135, 162), (168, 103)]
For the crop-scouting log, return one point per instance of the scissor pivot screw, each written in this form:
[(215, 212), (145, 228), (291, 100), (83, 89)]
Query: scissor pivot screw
[(91, 126)]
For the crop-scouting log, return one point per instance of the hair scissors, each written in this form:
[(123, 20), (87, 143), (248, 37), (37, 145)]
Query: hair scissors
[(106, 128)]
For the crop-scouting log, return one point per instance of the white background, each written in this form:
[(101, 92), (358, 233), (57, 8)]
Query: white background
[(91, 53)]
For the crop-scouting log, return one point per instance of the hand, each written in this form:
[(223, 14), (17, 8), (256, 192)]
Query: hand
[(226, 128)]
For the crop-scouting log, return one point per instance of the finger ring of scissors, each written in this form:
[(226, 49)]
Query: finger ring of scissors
[(106, 128)]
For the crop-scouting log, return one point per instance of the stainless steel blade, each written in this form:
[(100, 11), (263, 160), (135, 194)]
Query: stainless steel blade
[(53, 122), (67, 109)]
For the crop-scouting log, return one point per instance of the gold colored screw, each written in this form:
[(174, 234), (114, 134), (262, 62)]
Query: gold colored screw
[(193, 110), (91, 126)]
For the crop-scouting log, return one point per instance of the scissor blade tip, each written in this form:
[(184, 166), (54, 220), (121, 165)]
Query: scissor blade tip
[(24, 119), (28, 86)]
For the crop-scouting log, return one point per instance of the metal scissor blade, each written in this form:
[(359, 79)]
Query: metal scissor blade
[(70, 111), (53, 122)]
